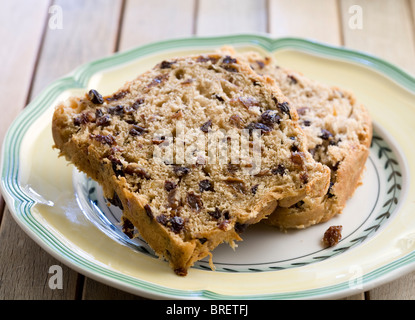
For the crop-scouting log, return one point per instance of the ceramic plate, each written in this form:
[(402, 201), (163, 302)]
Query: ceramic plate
[(65, 212)]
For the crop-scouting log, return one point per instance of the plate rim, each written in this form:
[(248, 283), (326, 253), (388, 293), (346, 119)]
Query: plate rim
[(20, 203)]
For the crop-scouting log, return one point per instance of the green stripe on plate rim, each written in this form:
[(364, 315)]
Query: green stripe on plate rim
[(21, 204)]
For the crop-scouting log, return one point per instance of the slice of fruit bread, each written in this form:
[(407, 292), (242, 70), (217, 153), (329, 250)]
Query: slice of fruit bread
[(339, 133), (150, 145)]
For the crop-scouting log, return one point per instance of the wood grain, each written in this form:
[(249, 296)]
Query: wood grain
[(215, 17), (387, 30), (24, 268), (400, 289), (148, 21), (33, 54), (316, 20), (94, 290), (84, 37), (21, 27), (144, 22)]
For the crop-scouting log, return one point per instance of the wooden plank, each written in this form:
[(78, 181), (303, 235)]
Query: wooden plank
[(316, 20), (216, 17), (86, 34), (358, 296), (21, 27), (412, 9), (94, 290), (400, 289), (25, 268), (144, 22), (89, 31), (148, 21), (387, 30)]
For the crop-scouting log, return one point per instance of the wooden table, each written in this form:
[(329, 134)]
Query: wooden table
[(41, 40)]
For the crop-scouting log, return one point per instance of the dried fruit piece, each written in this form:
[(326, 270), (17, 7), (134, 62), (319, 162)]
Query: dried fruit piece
[(117, 166), (332, 236), (206, 58), (169, 185), (249, 102), (304, 177), (104, 139), (116, 201), (117, 96), (229, 59), (229, 68), (84, 118), (206, 185), (258, 126), (176, 224), (223, 225), (95, 97), (104, 121), (240, 227), (329, 193), (270, 117), (182, 272), (280, 169), (236, 121), (128, 228), (116, 110), (162, 219), (292, 79), (137, 103), (236, 184), (194, 201), (285, 108), (137, 130), (157, 80), (165, 64), (172, 200), (297, 158), (138, 171), (215, 214), (233, 168), (326, 134), (336, 166), (149, 212), (202, 240), (205, 127), (181, 171), (260, 64), (218, 97)]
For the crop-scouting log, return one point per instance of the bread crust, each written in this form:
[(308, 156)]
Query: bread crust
[(98, 139), (346, 158)]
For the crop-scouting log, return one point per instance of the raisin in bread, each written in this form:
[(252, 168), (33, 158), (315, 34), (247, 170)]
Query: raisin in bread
[(338, 131), (184, 209)]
